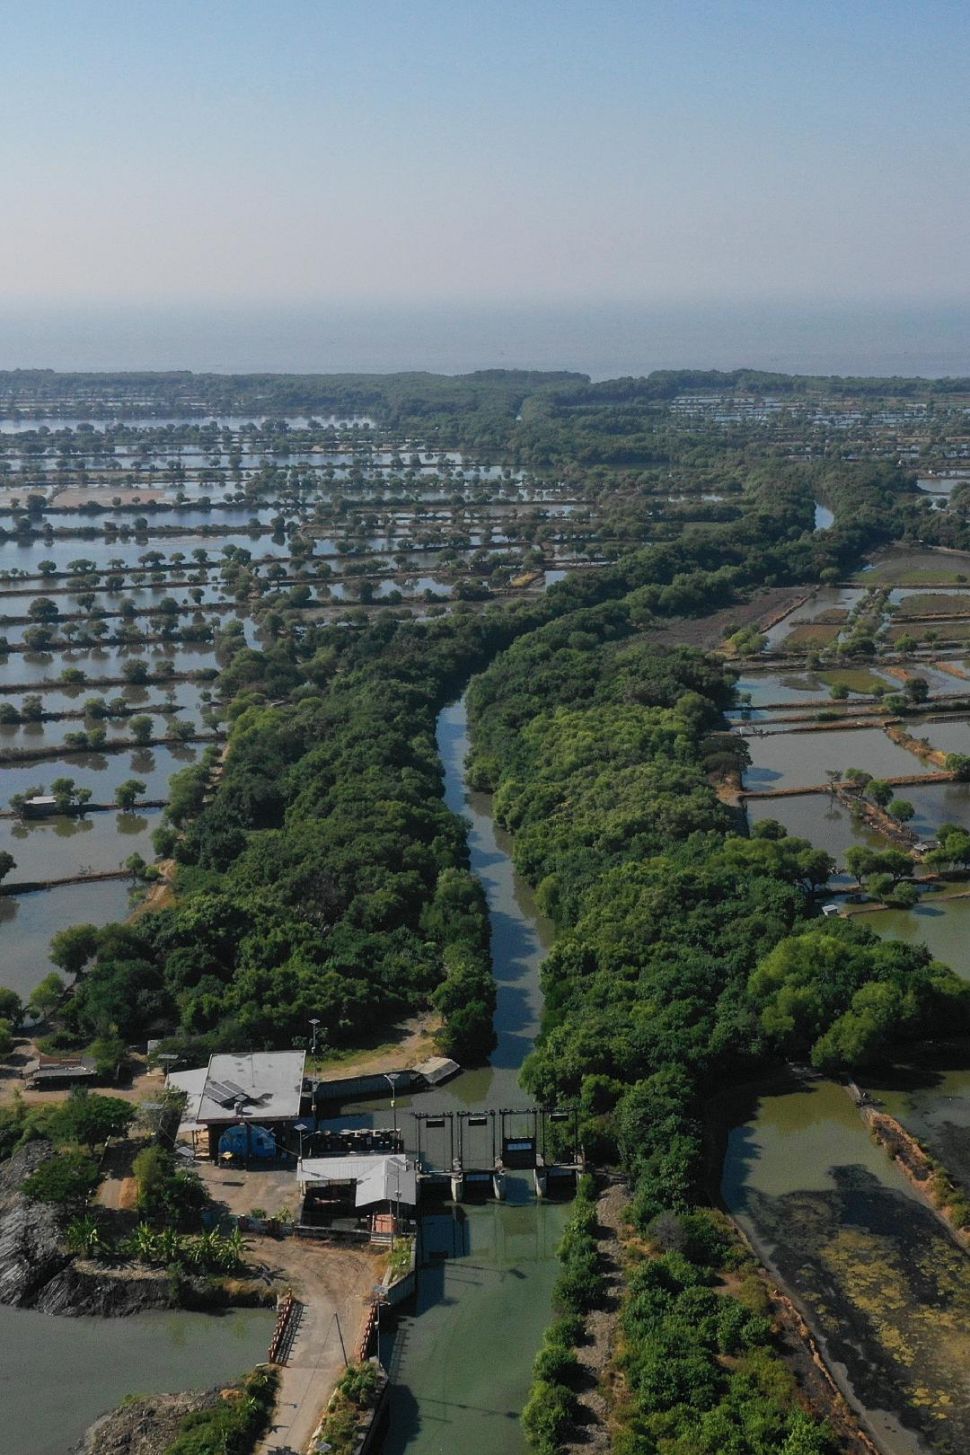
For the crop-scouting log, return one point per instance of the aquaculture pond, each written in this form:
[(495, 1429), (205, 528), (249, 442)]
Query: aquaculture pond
[(799, 759), (820, 818), (59, 848), (932, 1101), (101, 772), (100, 662), (881, 1280), (31, 736), (950, 735), (829, 604), (936, 804), (27, 922), (788, 689), (941, 922)]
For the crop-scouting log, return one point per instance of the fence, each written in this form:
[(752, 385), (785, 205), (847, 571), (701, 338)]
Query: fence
[(284, 1318)]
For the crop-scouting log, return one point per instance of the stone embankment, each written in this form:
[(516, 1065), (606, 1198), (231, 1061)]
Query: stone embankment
[(37, 1271)]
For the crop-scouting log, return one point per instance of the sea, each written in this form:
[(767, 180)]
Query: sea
[(603, 340)]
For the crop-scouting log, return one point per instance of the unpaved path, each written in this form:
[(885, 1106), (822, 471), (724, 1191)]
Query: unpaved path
[(332, 1285), (412, 1043), (595, 1354)]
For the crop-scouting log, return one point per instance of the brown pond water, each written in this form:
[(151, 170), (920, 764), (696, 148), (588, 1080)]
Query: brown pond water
[(880, 1280)]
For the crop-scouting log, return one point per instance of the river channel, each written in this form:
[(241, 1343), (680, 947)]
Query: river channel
[(460, 1362)]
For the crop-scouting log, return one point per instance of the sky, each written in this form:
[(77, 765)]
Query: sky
[(286, 152)]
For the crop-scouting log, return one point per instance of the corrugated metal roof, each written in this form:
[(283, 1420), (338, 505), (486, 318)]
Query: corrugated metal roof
[(379, 1179)]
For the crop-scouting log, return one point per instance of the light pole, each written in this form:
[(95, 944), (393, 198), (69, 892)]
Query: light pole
[(392, 1077), (314, 1022)]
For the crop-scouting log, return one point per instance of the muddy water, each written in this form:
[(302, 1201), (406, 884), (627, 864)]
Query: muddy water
[(882, 1283), (91, 1364), (820, 818), (796, 759), (940, 922)]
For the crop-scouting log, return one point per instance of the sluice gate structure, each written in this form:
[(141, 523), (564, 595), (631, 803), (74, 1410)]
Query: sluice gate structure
[(467, 1155)]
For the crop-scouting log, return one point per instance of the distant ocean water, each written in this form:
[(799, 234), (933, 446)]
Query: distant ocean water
[(603, 341)]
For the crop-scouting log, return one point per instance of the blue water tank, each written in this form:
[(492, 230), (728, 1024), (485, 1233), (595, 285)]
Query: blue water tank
[(246, 1142)]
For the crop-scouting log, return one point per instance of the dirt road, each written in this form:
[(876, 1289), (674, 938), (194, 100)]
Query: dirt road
[(332, 1285)]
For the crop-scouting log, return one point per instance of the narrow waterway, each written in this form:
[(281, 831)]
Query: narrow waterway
[(461, 1362)]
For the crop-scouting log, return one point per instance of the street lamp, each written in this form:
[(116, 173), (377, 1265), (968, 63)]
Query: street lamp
[(392, 1078), (314, 1022)]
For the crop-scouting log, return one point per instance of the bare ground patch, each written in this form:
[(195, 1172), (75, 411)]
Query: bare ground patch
[(708, 632)]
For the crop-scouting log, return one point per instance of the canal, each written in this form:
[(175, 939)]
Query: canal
[(461, 1360)]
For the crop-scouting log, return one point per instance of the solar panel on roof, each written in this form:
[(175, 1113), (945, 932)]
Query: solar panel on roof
[(223, 1093)]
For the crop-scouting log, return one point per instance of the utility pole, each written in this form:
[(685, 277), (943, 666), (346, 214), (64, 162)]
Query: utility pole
[(392, 1078)]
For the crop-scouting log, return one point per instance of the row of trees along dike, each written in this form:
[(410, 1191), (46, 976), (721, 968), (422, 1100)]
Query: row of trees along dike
[(687, 957), (321, 875)]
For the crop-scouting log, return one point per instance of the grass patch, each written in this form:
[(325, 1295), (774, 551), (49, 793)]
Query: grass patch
[(857, 679), (950, 631), (810, 634), (355, 1394), (234, 1425), (930, 603)]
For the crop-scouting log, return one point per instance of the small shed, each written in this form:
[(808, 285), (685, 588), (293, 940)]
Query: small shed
[(437, 1069), (375, 1183), (51, 1073), (41, 805)]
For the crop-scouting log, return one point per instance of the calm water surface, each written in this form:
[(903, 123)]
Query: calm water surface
[(461, 1362), (882, 1283), (795, 759), (58, 1375), (27, 922)]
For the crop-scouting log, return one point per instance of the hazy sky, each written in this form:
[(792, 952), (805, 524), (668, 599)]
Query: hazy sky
[(291, 150)]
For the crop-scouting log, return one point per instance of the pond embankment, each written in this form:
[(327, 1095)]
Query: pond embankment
[(878, 1276)]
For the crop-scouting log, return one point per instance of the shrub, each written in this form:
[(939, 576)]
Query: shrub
[(235, 1424), (66, 1180)]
